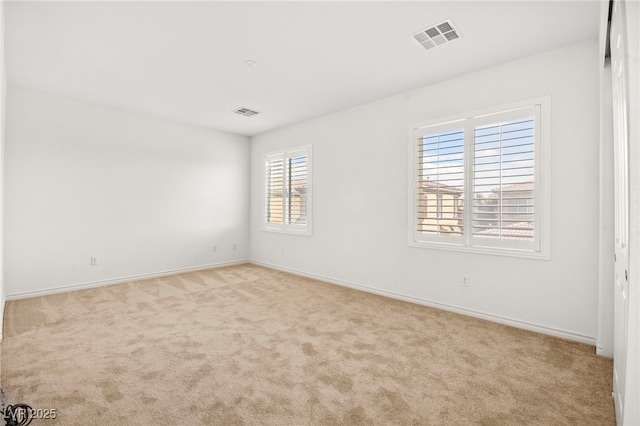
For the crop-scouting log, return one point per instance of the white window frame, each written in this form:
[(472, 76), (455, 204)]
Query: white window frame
[(540, 247), (288, 228)]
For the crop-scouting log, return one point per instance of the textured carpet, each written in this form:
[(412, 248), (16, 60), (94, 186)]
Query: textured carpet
[(250, 345)]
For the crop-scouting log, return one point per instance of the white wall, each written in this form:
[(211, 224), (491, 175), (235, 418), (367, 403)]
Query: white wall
[(360, 190), (144, 195), (3, 90), (606, 271)]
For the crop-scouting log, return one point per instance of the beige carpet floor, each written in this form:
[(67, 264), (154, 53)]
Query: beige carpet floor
[(250, 345)]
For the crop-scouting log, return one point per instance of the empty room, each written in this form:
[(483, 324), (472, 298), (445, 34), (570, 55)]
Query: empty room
[(320, 212)]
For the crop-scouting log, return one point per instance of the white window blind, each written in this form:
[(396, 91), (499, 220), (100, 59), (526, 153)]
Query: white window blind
[(274, 188), (297, 183), (288, 191), (478, 184), (504, 180), (441, 182)]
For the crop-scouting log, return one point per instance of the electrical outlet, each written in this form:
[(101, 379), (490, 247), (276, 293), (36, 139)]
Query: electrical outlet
[(94, 261), (235, 246), (464, 280), (215, 248)]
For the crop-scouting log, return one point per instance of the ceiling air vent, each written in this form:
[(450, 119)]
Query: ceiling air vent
[(246, 112), (436, 35)]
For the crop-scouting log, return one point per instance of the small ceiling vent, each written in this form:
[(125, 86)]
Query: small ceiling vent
[(246, 112), (437, 35)]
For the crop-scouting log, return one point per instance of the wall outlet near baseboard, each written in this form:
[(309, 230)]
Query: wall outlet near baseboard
[(215, 247), (235, 246), (464, 280), (94, 261)]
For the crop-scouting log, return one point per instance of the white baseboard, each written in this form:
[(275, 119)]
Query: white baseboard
[(563, 334), (447, 307), (93, 284), (602, 352)]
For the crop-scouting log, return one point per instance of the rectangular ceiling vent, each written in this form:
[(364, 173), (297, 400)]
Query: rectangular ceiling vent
[(246, 112), (437, 35)]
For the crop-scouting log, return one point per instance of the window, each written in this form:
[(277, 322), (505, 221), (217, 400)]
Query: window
[(288, 191), (479, 181)]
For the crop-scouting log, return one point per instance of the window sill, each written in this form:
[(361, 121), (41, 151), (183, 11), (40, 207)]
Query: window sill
[(489, 251), (301, 232)]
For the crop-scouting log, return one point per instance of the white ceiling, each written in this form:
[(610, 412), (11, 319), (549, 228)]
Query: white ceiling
[(186, 60)]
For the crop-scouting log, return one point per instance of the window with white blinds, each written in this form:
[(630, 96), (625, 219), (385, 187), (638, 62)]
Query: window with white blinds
[(440, 182), (287, 204), (504, 180), (479, 182)]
